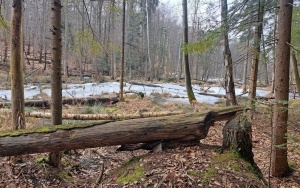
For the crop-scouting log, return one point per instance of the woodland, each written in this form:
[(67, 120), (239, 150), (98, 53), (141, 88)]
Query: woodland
[(149, 93)]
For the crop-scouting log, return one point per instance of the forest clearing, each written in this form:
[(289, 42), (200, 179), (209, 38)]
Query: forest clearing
[(150, 93)]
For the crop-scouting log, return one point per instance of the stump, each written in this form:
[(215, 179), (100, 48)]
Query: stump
[(237, 136)]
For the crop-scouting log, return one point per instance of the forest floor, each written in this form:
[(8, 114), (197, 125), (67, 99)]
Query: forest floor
[(196, 166)]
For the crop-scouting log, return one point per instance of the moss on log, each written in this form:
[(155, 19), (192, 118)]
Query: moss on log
[(182, 127), (104, 116)]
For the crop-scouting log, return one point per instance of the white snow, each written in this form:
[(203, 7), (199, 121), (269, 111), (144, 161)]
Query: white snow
[(90, 89)]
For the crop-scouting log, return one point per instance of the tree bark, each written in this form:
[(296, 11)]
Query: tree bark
[(56, 78), (229, 82), (274, 46), (113, 40), (256, 54), (237, 135), (183, 127), (123, 53), (151, 67), (66, 26), (296, 72), (279, 163), (188, 83), (16, 66)]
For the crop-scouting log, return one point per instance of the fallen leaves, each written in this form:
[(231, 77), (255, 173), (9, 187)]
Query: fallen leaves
[(179, 167)]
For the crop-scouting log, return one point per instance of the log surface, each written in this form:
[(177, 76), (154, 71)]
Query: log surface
[(71, 101), (66, 137), (104, 116)]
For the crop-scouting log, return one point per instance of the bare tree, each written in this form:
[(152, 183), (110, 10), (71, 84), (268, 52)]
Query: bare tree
[(279, 163), (188, 82), (150, 77), (229, 83), (56, 81), (16, 66), (123, 53), (245, 68), (256, 54)]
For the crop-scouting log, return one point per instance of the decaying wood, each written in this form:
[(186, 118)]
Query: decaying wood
[(104, 116), (141, 94), (143, 84), (220, 95), (71, 101), (237, 136), (183, 127)]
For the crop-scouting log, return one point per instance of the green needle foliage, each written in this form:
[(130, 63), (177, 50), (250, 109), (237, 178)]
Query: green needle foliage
[(4, 23), (207, 42)]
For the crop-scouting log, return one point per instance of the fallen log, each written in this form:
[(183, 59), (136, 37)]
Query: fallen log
[(221, 95), (141, 94), (182, 127), (143, 84), (104, 116), (71, 101)]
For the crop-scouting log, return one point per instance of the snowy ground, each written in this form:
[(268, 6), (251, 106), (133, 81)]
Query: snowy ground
[(90, 89)]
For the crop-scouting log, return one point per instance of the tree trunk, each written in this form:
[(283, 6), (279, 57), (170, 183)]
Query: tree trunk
[(237, 135), (123, 53), (229, 82), (113, 55), (5, 48), (256, 54), (274, 46), (279, 164), (56, 81), (16, 66), (150, 76), (296, 72), (265, 63), (188, 83), (245, 68), (66, 26), (183, 127)]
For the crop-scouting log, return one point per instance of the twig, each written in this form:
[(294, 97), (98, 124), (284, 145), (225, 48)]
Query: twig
[(293, 47), (161, 181), (71, 94), (99, 178), (205, 91)]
